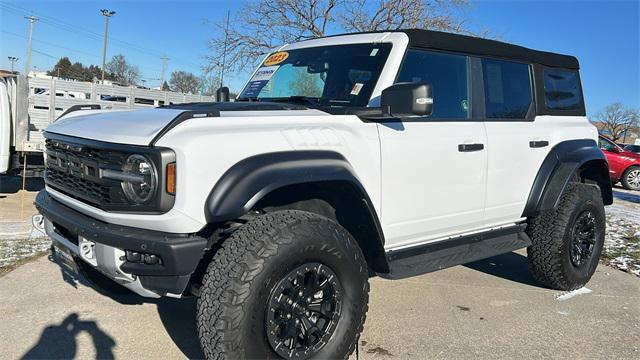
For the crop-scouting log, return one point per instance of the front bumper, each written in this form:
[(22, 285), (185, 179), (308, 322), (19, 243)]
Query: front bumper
[(180, 253)]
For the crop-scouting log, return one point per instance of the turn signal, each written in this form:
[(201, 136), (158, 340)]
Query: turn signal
[(171, 178)]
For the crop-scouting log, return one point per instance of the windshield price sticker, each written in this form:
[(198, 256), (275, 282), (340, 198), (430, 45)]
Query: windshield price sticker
[(264, 73), (276, 58), (259, 80)]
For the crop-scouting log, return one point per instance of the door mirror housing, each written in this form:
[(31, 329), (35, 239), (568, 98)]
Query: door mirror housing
[(408, 100)]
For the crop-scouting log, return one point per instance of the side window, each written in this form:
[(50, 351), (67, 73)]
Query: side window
[(447, 74), (561, 90), (507, 89), (606, 145)]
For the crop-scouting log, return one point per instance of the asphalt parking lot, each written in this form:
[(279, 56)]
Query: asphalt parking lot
[(488, 309)]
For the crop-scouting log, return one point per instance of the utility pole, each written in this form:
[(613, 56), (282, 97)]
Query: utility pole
[(107, 14), (13, 60), (165, 61), (32, 19)]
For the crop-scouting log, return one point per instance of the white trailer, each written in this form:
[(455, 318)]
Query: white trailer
[(29, 105)]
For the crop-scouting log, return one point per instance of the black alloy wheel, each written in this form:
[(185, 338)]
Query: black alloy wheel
[(583, 238), (303, 311)]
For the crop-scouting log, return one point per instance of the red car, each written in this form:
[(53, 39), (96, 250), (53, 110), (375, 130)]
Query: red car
[(624, 166)]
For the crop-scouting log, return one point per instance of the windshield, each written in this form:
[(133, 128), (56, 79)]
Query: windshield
[(339, 75)]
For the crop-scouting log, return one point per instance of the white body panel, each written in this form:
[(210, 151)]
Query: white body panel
[(513, 165), (429, 188), (209, 147), (5, 127), (422, 188), (123, 127)]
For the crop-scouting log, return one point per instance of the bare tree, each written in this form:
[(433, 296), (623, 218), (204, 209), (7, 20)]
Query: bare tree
[(122, 71), (259, 26), (366, 15), (617, 120), (184, 82)]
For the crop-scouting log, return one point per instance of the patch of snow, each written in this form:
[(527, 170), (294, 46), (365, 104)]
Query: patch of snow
[(571, 294)]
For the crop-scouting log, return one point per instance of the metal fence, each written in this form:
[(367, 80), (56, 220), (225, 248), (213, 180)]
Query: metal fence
[(49, 98)]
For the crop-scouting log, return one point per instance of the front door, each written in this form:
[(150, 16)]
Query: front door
[(434, 168)]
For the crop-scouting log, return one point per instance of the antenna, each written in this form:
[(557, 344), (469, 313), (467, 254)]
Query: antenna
[(224, 53)]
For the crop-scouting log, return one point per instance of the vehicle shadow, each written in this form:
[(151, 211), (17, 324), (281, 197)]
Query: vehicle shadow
[(626, 196), (59, 341), (510, 266), (178, 317), (13, 184)]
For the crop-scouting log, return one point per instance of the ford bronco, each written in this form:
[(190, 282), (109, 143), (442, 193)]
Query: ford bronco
[(388, 154)]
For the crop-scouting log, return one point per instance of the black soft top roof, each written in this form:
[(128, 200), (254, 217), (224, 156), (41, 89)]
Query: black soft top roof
[(438, 40)]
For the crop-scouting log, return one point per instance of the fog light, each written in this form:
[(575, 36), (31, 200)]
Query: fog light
[(143, 258)]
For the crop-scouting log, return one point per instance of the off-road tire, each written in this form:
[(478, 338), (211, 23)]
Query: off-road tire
[(245, 270), (551, 238), (625, 181), (101, 283)]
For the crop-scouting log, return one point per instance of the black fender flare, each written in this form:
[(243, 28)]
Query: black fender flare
[(558, 168), (249, 180)]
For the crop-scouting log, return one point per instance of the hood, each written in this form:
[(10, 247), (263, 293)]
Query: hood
[(142, 127), (630, 154)]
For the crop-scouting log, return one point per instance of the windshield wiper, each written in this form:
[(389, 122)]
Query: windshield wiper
[(298, 99)]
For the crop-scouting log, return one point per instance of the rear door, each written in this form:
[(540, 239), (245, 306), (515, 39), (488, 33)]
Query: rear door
[(523, 126), (434, 168), (518, 143)]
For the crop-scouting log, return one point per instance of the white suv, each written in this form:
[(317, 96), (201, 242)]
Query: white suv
[(385, 154)]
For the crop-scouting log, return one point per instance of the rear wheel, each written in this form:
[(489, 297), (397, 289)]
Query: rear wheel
[(566, 242), (287, 284), (631, 178)]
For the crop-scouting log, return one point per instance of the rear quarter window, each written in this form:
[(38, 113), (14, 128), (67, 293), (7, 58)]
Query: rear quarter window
[(561, 90)]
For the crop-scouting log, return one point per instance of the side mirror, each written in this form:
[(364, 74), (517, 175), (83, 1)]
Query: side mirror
[(222, 94), (408, 99)]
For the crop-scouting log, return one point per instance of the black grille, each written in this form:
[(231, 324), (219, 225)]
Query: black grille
[(78, 167), (74, 170)]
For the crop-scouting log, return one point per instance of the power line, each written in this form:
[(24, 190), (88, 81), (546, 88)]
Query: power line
[(49, 43), (45, 54), (78, 30), (146, 69)]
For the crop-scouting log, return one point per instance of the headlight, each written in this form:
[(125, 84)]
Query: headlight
[(141, 185)]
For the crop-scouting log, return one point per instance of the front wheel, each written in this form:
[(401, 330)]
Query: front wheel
[(631, 178), (566, 242), (287, 284)]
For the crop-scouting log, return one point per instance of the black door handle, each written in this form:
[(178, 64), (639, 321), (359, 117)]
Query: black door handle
[(538, 143), (470, 147)]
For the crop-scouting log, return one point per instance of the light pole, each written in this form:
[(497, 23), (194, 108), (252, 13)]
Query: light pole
[(13, 60), (107, 14), (32, 19)]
